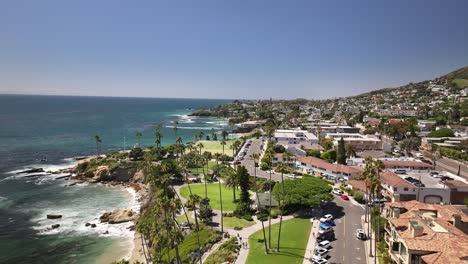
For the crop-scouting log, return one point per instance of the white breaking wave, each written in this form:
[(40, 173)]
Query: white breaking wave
[(78, 213)]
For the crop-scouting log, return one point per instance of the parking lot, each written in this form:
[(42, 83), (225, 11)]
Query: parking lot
[(428, 180)]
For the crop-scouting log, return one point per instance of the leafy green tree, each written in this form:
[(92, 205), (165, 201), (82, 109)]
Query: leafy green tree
[(136, 154), (329, 155), (341, 153), (326, 143), (206, 212), (313, 153), (442, 132), (243, 206), (231, 180), (307, 192)]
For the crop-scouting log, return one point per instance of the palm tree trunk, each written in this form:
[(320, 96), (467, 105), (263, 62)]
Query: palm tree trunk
[(196, 220), (269, 214), (183, 207), (197, 229), (281, 211), (221, 205), (234, 192), (258, 204)]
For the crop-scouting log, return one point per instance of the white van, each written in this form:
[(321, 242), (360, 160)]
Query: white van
[(400, 171)]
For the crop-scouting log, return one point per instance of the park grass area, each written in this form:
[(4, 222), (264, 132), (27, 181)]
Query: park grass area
[(199, 170), (181, 218), (461, 83), (225, 253), (213, 195), (294, 237), (216, 147), (231, 222)]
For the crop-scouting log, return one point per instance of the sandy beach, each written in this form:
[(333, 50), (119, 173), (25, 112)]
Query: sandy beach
[(137, 253)]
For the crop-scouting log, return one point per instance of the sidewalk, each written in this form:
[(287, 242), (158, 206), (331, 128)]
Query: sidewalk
[(370, 259), (311, 243)]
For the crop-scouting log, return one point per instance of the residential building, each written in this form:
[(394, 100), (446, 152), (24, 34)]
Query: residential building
[(294, 137), (358, 141), (321, 167), (422, 233)]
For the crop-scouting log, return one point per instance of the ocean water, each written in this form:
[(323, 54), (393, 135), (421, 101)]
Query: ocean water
[(58, 129)]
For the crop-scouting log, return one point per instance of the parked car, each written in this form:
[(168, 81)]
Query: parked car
[(427, 161), (317, 259), (291, 176), (360, 234), (326, 236), (320, 261), (419, 184), (324, 231), (400, 171), (325, 244), (344, 197), (326, 218), (326, 225), (445, 178), (435, 174), (321, 251), (337, 191), (419, 155)]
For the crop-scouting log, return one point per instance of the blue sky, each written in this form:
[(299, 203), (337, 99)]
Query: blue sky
[(227, 49)]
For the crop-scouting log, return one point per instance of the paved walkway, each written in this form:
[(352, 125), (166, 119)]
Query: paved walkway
[(311, 243), (370, 257)]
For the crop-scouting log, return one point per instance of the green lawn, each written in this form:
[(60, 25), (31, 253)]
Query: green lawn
[(211, 164), (213, 195), (461, 82), (216, 147), (189, 244), (294, 238), (231, 222)]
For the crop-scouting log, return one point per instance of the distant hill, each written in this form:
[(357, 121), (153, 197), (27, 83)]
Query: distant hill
[(459, 77)]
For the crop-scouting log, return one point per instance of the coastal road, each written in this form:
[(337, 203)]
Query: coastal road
[(346, 248), (249, 163), (452, 166)]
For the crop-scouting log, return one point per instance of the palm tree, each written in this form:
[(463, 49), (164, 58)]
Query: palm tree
[(231, 180), (221, 204), (350, 151), (179, 146), (286, 156), (235, 147), (158, 135), (224, 134), (282, 168), (194, 201), (98, 140), (138, 134), (223, 143), (255, 157)]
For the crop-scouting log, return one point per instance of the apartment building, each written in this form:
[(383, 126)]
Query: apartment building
[(419, 233), (358, 141), (294, 137)]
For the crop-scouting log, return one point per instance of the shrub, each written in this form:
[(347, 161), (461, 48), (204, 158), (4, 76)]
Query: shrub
[(442, 132), (359, 197), (313, 153), (247, 217), (279, 148)]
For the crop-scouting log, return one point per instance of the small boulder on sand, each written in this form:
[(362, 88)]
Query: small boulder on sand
[(54, 216), (55, 226)]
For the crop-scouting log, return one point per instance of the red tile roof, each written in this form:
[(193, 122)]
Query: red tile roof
[(337, 168), (358, 185), (456, 184)]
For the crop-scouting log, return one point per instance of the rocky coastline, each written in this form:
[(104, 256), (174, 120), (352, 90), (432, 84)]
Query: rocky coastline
[(86, 171)]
